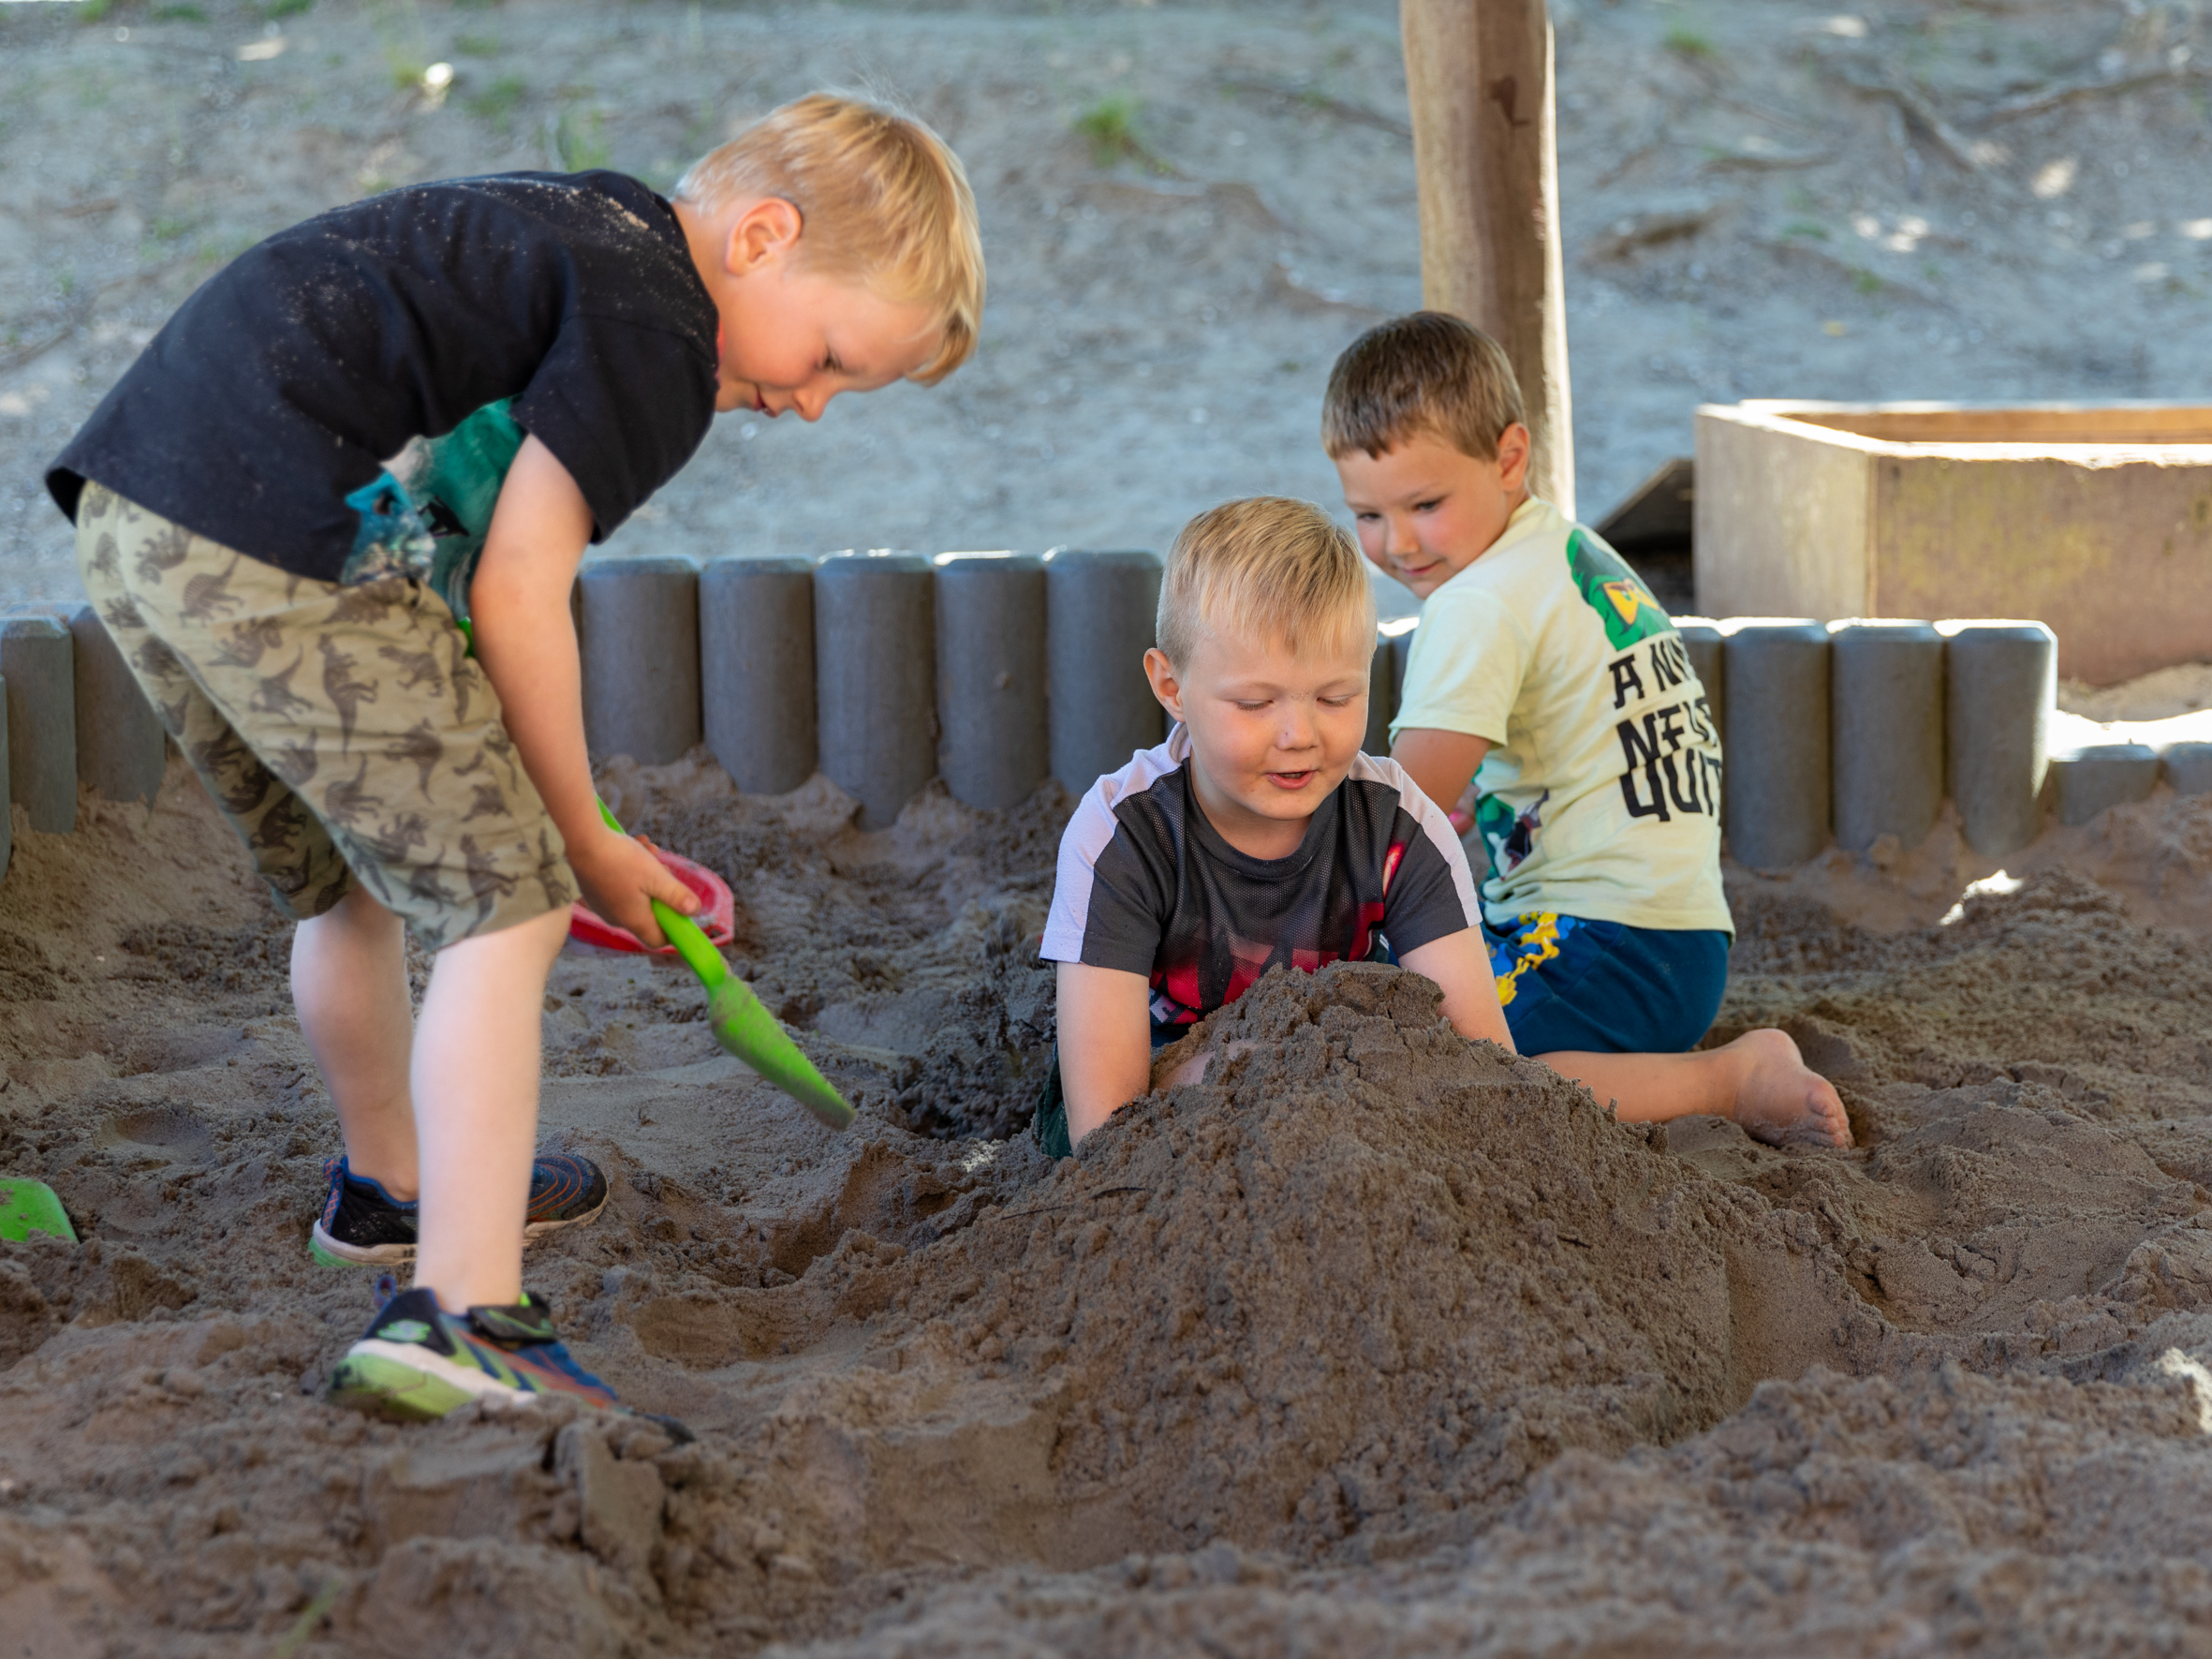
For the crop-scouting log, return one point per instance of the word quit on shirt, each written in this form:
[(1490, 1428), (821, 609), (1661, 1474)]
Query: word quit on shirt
[(1671, 754)]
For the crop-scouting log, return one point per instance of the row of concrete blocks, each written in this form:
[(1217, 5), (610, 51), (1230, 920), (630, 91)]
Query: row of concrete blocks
[(1860, 730), (70, 713), (996, 669), (881, 669)]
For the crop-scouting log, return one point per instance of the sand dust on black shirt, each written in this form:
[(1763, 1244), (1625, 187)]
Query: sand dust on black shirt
[(567, 303)]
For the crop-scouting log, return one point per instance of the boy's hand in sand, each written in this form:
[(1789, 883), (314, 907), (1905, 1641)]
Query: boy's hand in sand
[(525, 639), (622, 875)]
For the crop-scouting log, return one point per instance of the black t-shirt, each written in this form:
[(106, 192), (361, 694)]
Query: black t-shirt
[(285, 384), (1146, 885)]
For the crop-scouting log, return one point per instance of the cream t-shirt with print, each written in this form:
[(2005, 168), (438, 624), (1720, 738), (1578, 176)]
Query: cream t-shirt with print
[(1601, 794)]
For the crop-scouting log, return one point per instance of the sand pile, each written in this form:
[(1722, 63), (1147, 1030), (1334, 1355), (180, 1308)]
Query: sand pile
[(1378, 1342), (1360, 1288)]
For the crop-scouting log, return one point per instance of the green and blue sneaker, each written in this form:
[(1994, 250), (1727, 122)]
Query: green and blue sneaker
[(417, 1362), (361, 1225)]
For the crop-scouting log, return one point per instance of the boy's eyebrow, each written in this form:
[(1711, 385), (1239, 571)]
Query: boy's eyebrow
[(1247, 691), (1414, 498)]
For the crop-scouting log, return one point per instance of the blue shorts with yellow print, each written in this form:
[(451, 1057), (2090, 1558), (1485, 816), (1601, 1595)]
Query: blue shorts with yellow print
[(1605, 987)]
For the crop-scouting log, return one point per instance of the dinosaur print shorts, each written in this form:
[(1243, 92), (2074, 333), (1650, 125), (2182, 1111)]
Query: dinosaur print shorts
[(344, 731)]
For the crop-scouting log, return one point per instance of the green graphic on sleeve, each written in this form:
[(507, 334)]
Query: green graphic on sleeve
[(427, 517), (1613, 590)]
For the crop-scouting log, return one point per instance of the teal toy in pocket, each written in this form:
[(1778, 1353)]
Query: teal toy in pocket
[(28, 1206)]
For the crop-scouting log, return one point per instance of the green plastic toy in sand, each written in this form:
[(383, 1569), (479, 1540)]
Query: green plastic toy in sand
[(28, 1206), (741, 1024)]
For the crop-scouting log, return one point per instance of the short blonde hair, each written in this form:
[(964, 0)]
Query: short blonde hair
[(880, 197), (1265, 568), (1424, 372)]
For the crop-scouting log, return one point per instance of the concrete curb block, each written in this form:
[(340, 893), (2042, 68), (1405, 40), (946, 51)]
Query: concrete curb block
[(1885, 711), (757, 673), (2000, 684), (1777, 805), (2103, 774), (2188, 767), (37, 661), (1701, 643), (122, 750), (641, 658), (875, 654), (1396, 646), (1382, 695), (1101, 608), (997, 670), (7, 811), (995, 746)]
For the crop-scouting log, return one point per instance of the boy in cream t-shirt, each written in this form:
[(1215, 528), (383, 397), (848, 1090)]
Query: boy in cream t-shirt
[(1544, 673)]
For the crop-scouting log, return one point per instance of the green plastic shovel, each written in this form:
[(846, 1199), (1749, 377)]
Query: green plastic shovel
[(741, 1024), (28, 1206)]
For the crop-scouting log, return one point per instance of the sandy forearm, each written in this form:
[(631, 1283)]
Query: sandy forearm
[(528, 651), (526, 637), (1105, 1042), (1461, 967), (1440, 763)]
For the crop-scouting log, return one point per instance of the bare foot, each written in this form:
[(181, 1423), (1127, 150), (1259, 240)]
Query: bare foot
[(1783, 1101)]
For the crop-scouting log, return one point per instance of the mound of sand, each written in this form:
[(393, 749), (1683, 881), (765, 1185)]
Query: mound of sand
[(1360, 1288)]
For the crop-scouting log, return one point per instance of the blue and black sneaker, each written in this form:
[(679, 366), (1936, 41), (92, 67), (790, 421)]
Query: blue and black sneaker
[(363, 1225), (417, 1362)]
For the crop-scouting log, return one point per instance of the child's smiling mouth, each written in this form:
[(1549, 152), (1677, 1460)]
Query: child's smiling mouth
[(1290, 780)]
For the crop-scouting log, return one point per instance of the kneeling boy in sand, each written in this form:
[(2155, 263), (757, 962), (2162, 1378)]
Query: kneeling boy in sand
[(1259, 835), (1544, 671), (295, 610)]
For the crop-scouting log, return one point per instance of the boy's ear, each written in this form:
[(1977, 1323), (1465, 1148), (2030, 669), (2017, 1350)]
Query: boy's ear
[(1165, 686), (1514, 445), (766, 230)]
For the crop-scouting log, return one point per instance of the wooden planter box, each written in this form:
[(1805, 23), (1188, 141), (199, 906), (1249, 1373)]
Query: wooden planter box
[(2096, 519)]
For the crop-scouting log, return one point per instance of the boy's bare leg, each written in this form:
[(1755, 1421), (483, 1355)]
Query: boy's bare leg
[(349, 983), (1760, 1080), (477, 1053)]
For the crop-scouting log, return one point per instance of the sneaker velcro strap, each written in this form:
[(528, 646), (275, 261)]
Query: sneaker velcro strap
[(526, 1322)]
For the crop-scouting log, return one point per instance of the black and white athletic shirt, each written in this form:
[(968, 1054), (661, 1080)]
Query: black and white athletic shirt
[(1146, 884)]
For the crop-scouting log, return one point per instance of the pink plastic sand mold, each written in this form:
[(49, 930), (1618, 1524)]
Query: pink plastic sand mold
[(718, 921)]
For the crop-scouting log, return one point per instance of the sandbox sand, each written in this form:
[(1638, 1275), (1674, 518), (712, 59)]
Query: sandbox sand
[(1380, 1343)]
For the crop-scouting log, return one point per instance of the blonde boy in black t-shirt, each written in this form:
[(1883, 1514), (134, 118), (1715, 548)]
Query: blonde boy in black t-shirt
[(545, 352)]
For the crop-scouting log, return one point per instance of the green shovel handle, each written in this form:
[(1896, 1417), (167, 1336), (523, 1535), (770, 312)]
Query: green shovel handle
[(692, 944), (689, 938)]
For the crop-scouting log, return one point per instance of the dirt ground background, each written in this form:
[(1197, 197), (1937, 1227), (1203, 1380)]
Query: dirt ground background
[(1381, 1343), (1762, 197)]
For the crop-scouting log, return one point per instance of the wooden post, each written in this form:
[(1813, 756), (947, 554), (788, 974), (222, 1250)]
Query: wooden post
[(1478, 78)]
